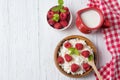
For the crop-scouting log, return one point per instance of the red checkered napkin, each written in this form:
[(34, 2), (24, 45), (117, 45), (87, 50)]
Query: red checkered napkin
[(111, 11)]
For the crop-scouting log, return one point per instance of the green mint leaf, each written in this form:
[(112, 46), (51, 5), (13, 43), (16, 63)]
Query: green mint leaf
[(60, 2), (56, 17), (56, 9), (76, 52), (73, 51), (62, 10), (60, 6), (91, 57)]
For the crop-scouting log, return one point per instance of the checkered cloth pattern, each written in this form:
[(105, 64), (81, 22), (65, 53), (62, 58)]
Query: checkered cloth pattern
[(111, 11)]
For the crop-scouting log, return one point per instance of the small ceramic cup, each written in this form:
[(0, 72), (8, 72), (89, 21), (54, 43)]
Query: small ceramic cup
[(83, 27)]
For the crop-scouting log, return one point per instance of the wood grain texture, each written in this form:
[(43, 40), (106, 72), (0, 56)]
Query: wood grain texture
[(19, 51), (27, 42)]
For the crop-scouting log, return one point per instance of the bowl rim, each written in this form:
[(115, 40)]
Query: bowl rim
[(70, 21), (58, 47)]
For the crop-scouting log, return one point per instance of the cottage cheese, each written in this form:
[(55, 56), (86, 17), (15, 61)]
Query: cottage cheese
[(66, 66)]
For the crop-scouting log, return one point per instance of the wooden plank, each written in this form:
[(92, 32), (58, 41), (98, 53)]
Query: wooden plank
[(23, 61), (4, 42)]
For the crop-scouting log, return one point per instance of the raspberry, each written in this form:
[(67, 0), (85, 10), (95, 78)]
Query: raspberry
[(57, 26), (67, 45), (74, 67), (67, 10), (63, 16), (79, 46), (64, 23), (68, 58), (60, 60), (51, 22), (86, 66), (50, 14), (85, 53)]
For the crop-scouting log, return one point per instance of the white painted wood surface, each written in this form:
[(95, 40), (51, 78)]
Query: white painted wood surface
[(27, 42)]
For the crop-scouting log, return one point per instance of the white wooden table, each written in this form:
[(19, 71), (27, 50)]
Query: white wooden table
[(27, 42)]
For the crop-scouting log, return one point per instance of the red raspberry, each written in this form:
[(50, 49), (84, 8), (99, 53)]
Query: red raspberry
[(68, 18), (68, 58), (79, 46), (60, 60), (50, 14), (67, 10), (86, 66), (64, 23), (57, 26), (51, 22), (74, 67), (67, 45), (63, 16), (85, 53)]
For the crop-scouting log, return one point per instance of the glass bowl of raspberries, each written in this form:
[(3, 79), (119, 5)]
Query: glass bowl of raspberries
[(59, 17)]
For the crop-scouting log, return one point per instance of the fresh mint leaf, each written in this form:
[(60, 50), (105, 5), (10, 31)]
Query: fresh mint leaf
[(60, 2), (73, 51), (60, 6), (62, 10), (91, 57), (56, 9), (76, 52), (56, 17)]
